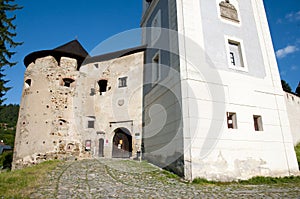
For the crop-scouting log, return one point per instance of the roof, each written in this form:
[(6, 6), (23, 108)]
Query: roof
[(114, 55), (72, 49)]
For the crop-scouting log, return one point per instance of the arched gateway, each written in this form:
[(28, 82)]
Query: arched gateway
[(122, 143)]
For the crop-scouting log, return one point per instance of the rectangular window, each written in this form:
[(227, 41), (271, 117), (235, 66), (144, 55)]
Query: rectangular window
[(122, 82), (258, 125), (155, 68), (102, 86), (235, 54), (231, 120), (91, 124)]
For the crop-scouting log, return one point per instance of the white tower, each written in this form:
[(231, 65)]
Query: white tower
[(213, 102)]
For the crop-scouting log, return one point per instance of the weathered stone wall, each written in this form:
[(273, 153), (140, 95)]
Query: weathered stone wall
[(44, 125), (58, 101), (118, 107), (293, 111)]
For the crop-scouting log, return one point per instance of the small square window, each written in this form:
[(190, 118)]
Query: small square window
[(258, 125), (231, 120), (122, 82), (91, 124)]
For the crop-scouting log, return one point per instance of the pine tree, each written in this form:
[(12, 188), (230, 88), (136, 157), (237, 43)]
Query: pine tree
[(7, 33), (285, 86), (298, 90)]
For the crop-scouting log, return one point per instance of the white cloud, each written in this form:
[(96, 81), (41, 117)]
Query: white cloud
[(294, 68), (281, 53), (293, 16)]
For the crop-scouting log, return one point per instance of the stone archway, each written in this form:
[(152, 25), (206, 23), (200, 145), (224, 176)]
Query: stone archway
[(122, 143)]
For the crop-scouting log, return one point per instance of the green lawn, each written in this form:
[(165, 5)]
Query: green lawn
[(21, 183)]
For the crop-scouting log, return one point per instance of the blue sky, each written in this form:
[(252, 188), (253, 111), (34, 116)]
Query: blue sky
[(46, 24)]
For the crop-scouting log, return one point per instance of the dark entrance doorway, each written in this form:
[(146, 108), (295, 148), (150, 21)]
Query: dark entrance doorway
[(101, 146), (122, 144)]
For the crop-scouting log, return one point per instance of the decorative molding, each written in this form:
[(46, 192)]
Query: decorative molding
[(228, 11)]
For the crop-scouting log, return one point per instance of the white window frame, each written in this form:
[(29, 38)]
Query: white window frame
[(120, 80), (156, 68), (243, 54)]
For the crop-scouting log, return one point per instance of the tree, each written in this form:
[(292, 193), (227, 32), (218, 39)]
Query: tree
[(7, 33), (298, 90), (285, 86)]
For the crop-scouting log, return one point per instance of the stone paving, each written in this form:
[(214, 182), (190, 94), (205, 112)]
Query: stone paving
[(114, 178)]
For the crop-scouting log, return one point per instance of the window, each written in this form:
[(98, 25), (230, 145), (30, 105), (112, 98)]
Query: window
[(231, 120), (91, 122), (156, 27), (102, 86), (258, 125), (155, 68), (27, 83), (67, 82), (122, 82), (235, 54)]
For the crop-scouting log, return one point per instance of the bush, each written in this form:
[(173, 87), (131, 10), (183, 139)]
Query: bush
[(6, 160)]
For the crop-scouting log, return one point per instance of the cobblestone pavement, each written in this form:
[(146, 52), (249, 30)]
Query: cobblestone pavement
[(104, 178)]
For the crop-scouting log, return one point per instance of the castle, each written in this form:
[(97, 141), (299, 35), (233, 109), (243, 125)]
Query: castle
[(202, 97)]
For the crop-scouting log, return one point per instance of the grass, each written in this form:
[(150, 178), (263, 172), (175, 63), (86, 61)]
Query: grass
[(21, 183), (259, 180)]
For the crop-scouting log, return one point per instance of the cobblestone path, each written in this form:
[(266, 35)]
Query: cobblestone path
[(103, 178)]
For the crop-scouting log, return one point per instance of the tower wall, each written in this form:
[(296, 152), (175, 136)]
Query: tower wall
[(44, 129), (235, 123)]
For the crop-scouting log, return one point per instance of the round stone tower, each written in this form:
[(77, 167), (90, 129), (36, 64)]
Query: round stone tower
[(45, 128)]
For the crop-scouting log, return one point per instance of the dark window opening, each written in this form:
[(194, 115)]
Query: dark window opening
[(122, 82), (231, 120), (68, 82), (62, 121), (27, 83), (91, 124), (102, 86), (258, 126)]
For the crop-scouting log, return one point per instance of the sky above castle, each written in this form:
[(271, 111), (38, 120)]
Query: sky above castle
[(47, 24)]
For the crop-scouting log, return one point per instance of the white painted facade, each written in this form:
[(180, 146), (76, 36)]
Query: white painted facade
[(293, 110), (210, 87)]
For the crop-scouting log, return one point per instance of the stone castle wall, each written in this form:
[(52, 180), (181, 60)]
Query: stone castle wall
[(59, 100)]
